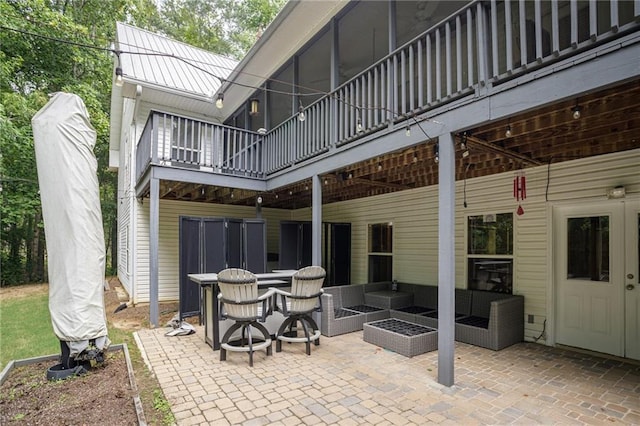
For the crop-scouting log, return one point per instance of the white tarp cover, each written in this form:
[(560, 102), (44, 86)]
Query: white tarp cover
[(64, 140)]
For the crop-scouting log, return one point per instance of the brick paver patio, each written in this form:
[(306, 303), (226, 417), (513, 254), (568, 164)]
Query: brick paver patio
[(349, 382)]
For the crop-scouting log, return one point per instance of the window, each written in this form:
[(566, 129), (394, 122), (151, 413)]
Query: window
[(588, 248), (490, 252), (380, 252)]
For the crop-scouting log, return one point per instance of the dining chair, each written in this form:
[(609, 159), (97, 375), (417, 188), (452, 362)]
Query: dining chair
[(297, 306), (240, 301)]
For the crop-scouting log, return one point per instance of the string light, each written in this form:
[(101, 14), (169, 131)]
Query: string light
[(576, 112), (463, 146), (193, 63), (301, 114), (508, 132)]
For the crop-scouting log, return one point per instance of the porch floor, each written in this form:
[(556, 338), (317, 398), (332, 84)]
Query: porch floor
[(349, 382)]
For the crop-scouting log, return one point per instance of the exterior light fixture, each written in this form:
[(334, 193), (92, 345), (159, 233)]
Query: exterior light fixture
[(301, 115), (259, 200), (359, 126), (508, 133), (220, 101), (415, 157), (617, 192), (436, 153), (380, 166), (326, 181), (576, 112), (407, 131), (253, 106), (231, 194)]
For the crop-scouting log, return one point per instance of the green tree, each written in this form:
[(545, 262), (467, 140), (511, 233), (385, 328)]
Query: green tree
[(225, 27), (46, 46), (31, 67)]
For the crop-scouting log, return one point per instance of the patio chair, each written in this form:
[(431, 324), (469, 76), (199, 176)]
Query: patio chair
[(239, 301), (297, 306)]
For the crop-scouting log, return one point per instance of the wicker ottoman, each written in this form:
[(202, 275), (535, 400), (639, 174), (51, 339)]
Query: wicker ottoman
[(400, 336)]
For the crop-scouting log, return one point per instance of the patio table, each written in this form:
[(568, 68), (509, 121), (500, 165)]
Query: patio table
[(209, 287)]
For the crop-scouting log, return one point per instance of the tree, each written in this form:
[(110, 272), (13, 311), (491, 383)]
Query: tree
[(32, 66), (228, 28), (63, 45)]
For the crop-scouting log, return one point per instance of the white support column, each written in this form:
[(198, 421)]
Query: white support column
[(446, 258), (316, 220), (154, 230)]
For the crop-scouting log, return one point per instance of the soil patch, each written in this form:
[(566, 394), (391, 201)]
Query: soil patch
[(101, 396)]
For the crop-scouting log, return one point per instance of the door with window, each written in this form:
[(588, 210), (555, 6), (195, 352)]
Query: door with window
[(596, 276)]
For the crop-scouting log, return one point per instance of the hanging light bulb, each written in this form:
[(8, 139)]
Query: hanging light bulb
[(220, 100), (359, 126), (463, 146), (119, 81), (407, 131), (380, 166), (576, 112), (436, 153), (508, 133), (415, 157)]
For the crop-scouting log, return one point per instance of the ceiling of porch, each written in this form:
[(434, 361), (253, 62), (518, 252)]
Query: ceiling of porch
[(609, 122)]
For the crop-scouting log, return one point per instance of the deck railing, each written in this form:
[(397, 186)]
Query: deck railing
[(481, 46), (171, 140)]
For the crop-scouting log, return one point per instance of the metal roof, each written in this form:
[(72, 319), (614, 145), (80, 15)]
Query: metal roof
[(147, 57)]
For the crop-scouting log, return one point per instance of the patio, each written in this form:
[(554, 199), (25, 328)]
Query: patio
[(347, 381)]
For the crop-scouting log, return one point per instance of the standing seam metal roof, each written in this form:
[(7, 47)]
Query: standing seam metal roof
[(165, 70)]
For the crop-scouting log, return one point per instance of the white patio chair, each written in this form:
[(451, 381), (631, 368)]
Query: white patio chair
[(297, 306), (239, 301)]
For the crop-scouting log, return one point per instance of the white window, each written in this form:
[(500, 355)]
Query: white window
[(490, 252), (380, 252)]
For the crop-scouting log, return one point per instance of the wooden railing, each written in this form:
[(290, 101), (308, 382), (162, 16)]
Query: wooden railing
[(479, 47)]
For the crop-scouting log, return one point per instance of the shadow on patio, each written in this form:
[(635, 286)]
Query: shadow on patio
[(348, 381)]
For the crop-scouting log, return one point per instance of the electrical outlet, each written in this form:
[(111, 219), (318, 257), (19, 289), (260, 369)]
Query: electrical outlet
[(530, 319)]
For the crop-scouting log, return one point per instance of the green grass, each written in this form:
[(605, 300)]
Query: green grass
[(25, 328)]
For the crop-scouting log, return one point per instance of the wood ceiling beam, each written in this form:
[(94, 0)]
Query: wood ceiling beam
[(502, 151)]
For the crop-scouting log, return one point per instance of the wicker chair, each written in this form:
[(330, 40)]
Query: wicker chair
[(239, 301), (297, 306)]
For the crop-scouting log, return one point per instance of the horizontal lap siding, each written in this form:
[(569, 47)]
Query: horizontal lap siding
[(415, 225)]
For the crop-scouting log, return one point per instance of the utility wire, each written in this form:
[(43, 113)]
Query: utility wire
[(314, 92)]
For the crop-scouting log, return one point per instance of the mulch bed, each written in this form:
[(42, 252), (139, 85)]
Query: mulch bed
[(101, 396)]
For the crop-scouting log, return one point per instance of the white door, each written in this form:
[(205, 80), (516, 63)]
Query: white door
[(589, 278), (632, 279)]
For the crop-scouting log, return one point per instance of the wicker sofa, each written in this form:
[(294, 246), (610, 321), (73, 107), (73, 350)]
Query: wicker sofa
[(496, 320), (482, 318), (344, 310)]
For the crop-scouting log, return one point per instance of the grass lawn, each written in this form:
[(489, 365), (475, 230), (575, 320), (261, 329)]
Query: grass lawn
[(25, 328)]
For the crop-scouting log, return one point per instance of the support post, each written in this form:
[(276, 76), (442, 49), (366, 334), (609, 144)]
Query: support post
[(154, 230), (446, 259), (316, 220)]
